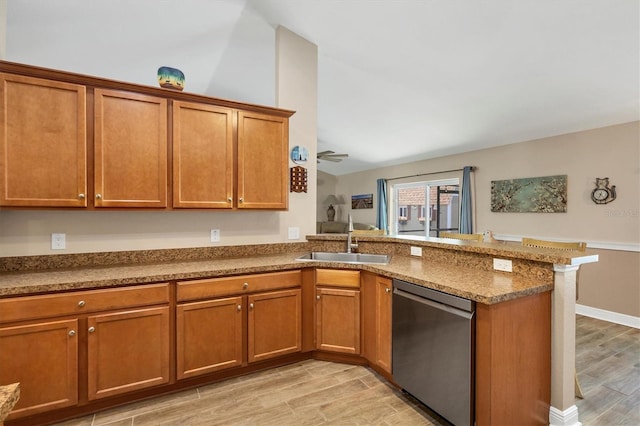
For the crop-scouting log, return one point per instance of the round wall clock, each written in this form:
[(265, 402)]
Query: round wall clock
[(299, 154), (602, 194)]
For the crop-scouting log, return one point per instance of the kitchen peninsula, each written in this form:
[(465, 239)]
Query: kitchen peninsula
[(514, 309)]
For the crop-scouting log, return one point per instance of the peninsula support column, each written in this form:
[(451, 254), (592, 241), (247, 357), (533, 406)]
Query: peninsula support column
[(563, 411)]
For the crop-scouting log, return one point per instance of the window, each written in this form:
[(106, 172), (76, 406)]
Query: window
[(435, 206), (403, 213)]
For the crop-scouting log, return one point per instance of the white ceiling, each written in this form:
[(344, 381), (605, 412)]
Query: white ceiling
[(398, 80)]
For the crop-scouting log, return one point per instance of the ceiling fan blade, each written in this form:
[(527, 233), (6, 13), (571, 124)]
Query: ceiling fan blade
[(334, 160), (324, 153)]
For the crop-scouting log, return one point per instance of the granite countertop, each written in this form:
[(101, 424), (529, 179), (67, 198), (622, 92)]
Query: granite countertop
[(487, 287), (9, 395)]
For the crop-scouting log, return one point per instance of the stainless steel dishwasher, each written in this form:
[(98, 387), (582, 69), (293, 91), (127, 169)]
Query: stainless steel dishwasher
[(433, 341)]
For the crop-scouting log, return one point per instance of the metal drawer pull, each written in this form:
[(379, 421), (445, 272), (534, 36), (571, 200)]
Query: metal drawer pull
[(245, 286), (387, 289), (92, 329), (72, 333), (239, 307), (318, 297), (251, 305), (81, 303), (81, 196)]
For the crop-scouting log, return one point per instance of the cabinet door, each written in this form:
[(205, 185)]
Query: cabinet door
[(130, 150), (263, 145), (43, 144), (274, 326), (338, 320), (43, 357), (202, 156), (383, 323), (209, 336), (127, 351)]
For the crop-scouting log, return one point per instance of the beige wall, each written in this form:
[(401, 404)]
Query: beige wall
[(25, 232), (613, 284)]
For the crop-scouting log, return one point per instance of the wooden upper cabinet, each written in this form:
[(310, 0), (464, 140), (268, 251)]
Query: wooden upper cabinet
[(130, 145), (202, 156), (43, 143), (263, 145)]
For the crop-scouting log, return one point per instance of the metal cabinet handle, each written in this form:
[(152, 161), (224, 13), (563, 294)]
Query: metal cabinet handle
[(318, 297), (229, 199), (241, 199), (81, 196), (251, 305), (245, 286), (72, 333), (239, 307), (92, 329), (81, 303), (387, 289), (98, 196)]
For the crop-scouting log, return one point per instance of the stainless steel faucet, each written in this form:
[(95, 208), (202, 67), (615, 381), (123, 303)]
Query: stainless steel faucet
[(351, 246)]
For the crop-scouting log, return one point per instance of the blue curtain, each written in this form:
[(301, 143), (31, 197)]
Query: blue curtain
[(466, 207), (381, 216)]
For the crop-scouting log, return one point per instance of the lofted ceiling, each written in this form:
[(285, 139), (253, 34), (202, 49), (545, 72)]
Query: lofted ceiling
[(398, 80)]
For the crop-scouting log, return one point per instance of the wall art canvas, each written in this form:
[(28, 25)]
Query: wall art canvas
[(363, 201), (546, 194)]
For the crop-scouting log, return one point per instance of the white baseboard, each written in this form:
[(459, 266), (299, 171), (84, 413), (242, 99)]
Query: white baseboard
[(568, 417), (614, 317)]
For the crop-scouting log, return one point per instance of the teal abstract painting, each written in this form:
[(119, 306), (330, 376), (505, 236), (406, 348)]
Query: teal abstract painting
[(547, 194)]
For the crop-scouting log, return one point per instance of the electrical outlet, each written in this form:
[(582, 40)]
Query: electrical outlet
[(294, 233), (215, 235), (502, 265), (58, 241), (416, 251)]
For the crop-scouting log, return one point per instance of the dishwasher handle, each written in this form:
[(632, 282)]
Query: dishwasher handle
[(434, 304)]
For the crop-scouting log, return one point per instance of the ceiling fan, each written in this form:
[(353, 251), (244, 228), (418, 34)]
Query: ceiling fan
[(331, 156)]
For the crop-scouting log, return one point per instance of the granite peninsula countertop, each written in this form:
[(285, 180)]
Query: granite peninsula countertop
[(487, 287), (9, 395)]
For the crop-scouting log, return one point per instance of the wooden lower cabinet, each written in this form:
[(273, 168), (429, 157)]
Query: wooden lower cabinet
[(513, 361), (376, 321), (274, 324), (43, 357), (384, 294), (338, 320), (127, 351), (68, 349), (237, 326), (209, 336)]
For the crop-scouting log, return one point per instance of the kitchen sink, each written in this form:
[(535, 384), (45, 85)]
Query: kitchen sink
[(321, 256)]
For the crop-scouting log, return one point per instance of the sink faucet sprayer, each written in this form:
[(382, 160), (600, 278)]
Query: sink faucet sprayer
[(351, 246)]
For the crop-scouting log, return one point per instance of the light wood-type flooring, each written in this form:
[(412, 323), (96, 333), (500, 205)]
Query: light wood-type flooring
[(322, 393)]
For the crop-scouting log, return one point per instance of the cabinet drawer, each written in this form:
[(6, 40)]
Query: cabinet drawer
[(338, 278), (215, 287), (51, 305)]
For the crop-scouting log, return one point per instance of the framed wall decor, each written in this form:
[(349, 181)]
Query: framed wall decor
[(363, 201), (546, 194)]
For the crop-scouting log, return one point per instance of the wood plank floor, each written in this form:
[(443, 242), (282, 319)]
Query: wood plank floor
[(322, 393)]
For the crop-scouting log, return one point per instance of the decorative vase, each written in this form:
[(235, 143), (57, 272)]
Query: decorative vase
[(171, 78), (331, 213)]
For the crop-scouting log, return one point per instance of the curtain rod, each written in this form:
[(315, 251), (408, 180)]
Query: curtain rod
[(427, 174)]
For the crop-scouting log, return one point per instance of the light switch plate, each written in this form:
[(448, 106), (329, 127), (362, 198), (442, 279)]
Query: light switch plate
[(215, 235), (502, 265), (416, 251)]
